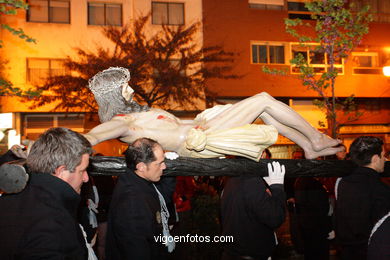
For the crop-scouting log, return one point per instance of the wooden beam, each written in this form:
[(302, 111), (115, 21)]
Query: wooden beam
[(184, 166)]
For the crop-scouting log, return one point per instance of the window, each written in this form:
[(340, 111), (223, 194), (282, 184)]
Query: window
[(365, 63), (49, 11), (380, 9), (173, 65), (39, 70), (266, 4), (34, 124), (297, 9), (268, 53), (167, 13), (104, 14), (316, 59)]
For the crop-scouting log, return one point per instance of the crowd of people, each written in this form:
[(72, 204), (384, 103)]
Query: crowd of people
[(52, 209), (63, 213)]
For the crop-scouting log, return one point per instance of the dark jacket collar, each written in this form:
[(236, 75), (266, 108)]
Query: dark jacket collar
[(58, 190), (132, 175), (366, 171), (131, 179)]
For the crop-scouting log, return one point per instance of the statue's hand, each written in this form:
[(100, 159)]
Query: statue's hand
[(275, 173), (19, 151), (171, 155)]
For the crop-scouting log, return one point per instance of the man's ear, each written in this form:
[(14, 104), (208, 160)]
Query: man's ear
[(60, 172), (140, 166), (375, 158)]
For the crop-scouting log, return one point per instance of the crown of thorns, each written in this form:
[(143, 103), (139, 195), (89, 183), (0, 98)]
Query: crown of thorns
[(107, 80)]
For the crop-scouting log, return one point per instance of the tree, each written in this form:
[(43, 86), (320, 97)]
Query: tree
[(166, 68), (337, 29), (11, 7)]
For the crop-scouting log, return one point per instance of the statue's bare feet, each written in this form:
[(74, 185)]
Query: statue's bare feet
[(311, 154), (323, 142)]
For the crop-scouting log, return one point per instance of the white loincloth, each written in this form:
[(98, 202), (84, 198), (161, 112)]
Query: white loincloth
[(247, 141)]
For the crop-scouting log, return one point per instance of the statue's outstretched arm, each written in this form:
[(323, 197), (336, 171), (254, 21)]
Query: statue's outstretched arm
[(108, 130)]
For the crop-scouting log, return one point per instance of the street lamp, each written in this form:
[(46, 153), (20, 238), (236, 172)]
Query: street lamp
[(386, 65), (386, 71)]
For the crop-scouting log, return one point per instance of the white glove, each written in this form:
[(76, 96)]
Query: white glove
[(331, 235), (275, 175), (171, 155)]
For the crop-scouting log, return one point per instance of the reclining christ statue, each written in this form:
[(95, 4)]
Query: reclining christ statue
[(215, 132)]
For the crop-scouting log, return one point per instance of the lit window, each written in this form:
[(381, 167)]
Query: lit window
[(318, 60), (365, 63), (266, 4), (167, 13), (268, 53), (297, 9), (104, 14), (39, 70), (35, 124), (49, 11)]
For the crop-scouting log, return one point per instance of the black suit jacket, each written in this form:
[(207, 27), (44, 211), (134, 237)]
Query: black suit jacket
[(362, 199), (250, 214), (134, 220), (40, 222)]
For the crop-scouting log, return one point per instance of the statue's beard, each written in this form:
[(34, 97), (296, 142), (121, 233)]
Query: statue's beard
[(108, 108), (132, 106)]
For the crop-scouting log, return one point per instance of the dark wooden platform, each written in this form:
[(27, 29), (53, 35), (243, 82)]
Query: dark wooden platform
[(183, 166)]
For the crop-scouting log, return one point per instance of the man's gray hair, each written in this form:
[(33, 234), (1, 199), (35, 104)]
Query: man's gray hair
[(107, 89), (56, 147)]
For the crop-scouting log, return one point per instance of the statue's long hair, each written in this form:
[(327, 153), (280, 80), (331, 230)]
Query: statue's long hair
[(113, 103), (107, 89)]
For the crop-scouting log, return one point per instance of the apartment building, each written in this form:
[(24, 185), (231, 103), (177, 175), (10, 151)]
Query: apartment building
[(60, 25), (255, 29)]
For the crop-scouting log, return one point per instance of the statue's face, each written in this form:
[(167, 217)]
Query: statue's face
[(127, 92)]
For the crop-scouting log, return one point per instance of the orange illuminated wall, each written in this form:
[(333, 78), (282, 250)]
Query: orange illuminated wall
[(233, 24), (57, 40)]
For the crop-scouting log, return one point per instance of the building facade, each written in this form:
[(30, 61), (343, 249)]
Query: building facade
[(254, 29), (58, 27)]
